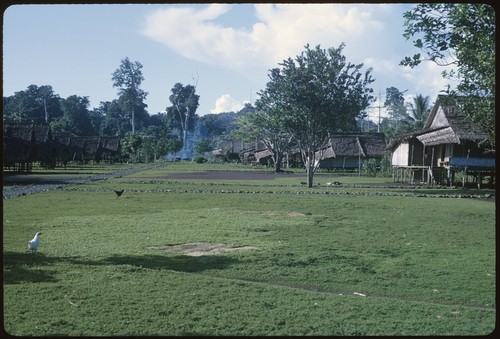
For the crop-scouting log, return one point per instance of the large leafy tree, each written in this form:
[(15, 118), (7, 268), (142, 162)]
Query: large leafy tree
[(267, 126), (182, 113), (38, 104), (115, 122), (76, 118), (462, 35), (395, 103), (398, 121), (127, 78), (313, 95)]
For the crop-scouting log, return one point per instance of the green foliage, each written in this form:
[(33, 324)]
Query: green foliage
[(463, 35), (130, 146), (423, 272), (182, 113), (420, 109), (316, 94), (395, 103), (38, 104), (76, 117), (369, 167), (200, 160), (377, 168), (203, 146), (404, 117), (220, 124), (386, 166), (115, 122), (127, 78)]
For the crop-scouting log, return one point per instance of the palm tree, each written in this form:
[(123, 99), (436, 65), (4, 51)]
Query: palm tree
[(419, 110)]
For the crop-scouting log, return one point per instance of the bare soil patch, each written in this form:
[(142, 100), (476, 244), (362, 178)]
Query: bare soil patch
[(233, 175), (295, 214), (197, 249)]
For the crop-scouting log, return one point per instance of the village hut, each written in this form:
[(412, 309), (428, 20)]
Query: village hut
[(247, 153), (23, 145), (229, 149), (448, 143), (93, 148), (71, 151), (19, 146), (47, 149), (407, 158), (18, 154), (263, 157), (111, 148), (27, 142), (347, 151)]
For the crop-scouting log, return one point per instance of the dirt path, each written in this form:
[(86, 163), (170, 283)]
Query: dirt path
[(24, 184)]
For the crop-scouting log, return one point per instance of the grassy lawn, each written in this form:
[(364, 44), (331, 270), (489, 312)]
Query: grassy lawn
[(323, 264)]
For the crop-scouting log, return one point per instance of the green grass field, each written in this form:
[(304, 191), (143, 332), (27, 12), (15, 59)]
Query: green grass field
[(353, 263)]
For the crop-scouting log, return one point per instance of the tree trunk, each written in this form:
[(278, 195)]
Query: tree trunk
[(277, 162), (310, 168), (310, 174), (133, 121), (184, 138)]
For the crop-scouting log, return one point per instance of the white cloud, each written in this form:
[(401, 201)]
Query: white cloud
[(372, 34), (280, 31), (225, 103)]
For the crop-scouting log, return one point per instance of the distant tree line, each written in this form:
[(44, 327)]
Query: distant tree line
[(145, 137)]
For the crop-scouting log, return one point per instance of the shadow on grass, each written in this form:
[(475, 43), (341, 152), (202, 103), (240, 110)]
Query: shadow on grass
[(28, 267), (179, 263), (25, 267)]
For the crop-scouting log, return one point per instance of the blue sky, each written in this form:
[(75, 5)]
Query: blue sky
[(229, 48)]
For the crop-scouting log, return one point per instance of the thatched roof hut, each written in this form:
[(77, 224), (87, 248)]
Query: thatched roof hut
[(447, 142), (19, 146), (263, 157), (94, 148), (247, 154), (446, 124), (347, 150), (17, 151), (22, 131)]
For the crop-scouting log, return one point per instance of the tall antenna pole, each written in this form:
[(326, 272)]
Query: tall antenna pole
[(379, 107)]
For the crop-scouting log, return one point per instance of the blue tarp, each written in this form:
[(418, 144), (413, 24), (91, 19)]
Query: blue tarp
[(483, 163)]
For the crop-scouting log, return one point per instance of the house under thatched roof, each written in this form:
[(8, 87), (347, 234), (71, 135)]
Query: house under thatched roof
[(262, 157), (247, 154), (27, 142), (346, 150), (446, 124), (96, 148), (447, 142), (22, 131), (17, 150)]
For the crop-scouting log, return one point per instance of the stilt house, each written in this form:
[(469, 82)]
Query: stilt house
[(448, 144)]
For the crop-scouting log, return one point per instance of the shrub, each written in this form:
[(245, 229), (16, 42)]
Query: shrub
[(370, 167), (200, 160)]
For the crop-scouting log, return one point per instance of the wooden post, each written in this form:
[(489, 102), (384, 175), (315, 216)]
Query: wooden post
[(432, 165)]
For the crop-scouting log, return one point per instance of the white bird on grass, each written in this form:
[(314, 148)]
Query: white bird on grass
[(35, 242)]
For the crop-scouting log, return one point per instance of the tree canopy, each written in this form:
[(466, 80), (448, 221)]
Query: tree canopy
[(462, 35), (312, 96), (37, 103), (127, 78), (76, 117), (182, 113)]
